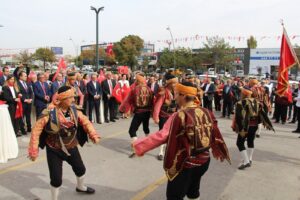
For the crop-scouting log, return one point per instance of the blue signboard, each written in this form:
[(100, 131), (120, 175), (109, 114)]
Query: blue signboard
[(57, 50)]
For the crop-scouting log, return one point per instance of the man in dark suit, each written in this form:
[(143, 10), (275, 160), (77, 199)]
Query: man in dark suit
[(108, 86), (227, 96), (42, 94), (56, 84), (153, 85), (3, 78), (26, 99), (209, 91), (94, 96)]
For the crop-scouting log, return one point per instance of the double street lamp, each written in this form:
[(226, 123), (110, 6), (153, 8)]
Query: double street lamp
[(174, 61), (97, 11)]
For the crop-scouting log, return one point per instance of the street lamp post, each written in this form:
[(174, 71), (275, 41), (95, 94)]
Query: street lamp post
[(174, 61), (97, 11)]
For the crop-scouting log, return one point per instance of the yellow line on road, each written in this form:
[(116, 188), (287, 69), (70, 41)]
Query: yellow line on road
[(150, 188), (43, 158)]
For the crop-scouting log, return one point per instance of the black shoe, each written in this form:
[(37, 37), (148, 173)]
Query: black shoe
[(243, 166), (160, 157), (283, 122), (18, 134), (99, 123), (24, 133), (112, 120), (116, 118), (250, 162), (106, 121), (88, 191), (258, 136), (29, 130), (292, 122), (296, 131), (132, 155)]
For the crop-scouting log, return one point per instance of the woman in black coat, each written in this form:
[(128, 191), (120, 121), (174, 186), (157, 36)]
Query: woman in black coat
[(11, 96)]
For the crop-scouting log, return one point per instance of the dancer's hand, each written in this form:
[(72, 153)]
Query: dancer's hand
[(96, 140), (32, 158)]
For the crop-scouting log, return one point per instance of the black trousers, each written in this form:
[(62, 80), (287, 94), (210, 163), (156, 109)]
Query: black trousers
[(162, 121), (12, 112), (240, 142), (217, 102), (298, 118), (295, 112), (290, 109), (187, 183), (137, 119), (109, 106), (26, 117), (55, 160), (281, 113), (39, 110), (94, 104), (227, 107), (207, 103)]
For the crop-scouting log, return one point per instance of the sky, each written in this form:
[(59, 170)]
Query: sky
[(47, 23)]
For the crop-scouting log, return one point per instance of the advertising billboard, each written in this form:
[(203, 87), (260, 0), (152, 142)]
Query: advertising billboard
[(261, 60), (57, 50)]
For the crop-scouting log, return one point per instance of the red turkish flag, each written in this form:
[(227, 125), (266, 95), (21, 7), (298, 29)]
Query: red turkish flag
[(125, 91), (19, 110), (117, 93), (288, 59), (61, 65)]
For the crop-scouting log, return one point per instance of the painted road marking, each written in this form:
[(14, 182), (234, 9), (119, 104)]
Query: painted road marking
[(149, 189)]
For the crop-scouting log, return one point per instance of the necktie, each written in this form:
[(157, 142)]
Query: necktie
[(24, 85), (44, 89)]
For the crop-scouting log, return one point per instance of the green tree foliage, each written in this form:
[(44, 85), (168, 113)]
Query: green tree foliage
[(45, 55), (25, 57), (218, 52), (90, 56), (128, 49), (252, 43)]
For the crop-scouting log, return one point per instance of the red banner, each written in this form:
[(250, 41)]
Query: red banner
[(288, 59), (61, 65)]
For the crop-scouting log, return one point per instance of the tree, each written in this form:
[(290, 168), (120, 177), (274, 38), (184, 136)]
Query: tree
[(128, 49), (218, 52), (252, 43), (45, 55), (90, 56), (25, 57)]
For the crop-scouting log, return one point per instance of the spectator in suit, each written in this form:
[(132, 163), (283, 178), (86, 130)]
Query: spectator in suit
[(83, 88), (42, 94), (27, 96), (3, 78), (295, 90), (20, 68), (94, 96), (109, 101), (209, 91), (153, 85), (227, 96), (85, 80), (11, 96), (57, 83)]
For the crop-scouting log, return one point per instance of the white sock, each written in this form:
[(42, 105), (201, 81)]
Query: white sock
[(80, 183), (245, 157), (54, 193), (161, 150), (259, 129), (251, 151)]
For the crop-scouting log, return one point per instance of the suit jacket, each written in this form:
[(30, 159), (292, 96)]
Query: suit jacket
[(229, 95), (39, 93), (2, 80), (92, 91), (82, 87), (54, 87), (8, 97), (105, 88), (156, 87), (26, 93), (211, 91)]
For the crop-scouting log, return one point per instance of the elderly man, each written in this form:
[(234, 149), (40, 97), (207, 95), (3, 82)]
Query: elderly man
[(41, 94), (189, 134), (108, 86), (61, 129)]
